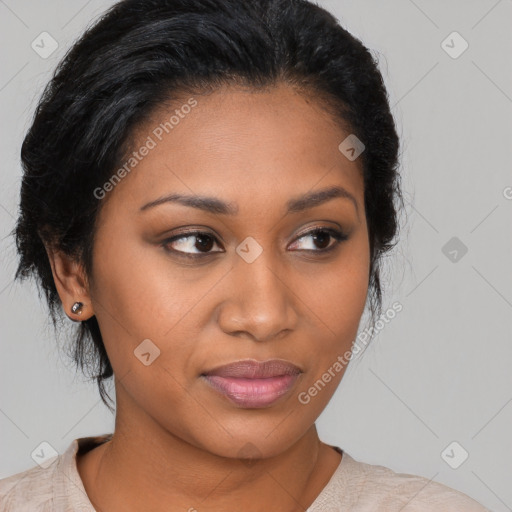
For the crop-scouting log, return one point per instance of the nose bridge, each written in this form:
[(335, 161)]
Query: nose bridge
[(261, 280), (262, 302)]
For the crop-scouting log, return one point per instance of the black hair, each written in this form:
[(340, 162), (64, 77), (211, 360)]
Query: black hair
[(143, 53)]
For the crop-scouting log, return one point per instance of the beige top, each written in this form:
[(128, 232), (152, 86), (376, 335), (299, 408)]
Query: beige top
[(354, 486)]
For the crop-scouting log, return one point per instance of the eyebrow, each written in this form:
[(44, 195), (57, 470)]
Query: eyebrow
[(219, 207)]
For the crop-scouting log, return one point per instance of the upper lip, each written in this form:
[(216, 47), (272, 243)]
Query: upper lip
[(252, 369)]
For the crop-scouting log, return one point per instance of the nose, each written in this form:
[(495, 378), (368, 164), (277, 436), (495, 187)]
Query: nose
[(260, 303)]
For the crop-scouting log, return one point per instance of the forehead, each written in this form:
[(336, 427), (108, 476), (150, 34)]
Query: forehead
[(241, 145)]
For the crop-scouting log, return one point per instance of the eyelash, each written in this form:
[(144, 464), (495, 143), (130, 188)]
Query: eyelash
[(338, 236)]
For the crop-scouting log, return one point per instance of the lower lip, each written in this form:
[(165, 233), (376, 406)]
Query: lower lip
[(252, 393)]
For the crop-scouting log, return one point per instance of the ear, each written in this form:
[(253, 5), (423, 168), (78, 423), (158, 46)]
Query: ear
[(71, 284)]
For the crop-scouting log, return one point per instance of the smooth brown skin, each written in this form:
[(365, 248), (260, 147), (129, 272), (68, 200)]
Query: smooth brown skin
[(176, 440)]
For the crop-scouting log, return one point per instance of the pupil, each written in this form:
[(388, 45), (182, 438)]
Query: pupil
[(322, 235), (203, 242)]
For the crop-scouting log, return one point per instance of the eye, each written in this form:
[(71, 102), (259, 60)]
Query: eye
[(184, 244), (185, 241), (321, 236)]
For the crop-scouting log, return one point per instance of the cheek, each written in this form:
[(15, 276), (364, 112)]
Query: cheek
[(336, 299), (137, 298), (340, 306), (355, 279), (139, 288), (338, 310), (338, 296)]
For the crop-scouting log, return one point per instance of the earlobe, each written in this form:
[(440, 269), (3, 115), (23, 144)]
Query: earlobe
[(76, 309), (71, 285)]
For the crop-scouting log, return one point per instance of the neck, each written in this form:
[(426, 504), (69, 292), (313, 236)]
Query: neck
[(145, 467)]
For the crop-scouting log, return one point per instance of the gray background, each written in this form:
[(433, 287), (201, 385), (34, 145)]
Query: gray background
[(440, 370)]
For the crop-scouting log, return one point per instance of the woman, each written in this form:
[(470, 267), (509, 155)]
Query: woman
[(209, 188)]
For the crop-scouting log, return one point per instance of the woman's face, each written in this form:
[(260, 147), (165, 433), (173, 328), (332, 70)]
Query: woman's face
[(255, 284)]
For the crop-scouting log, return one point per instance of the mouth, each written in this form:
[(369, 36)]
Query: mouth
[(253, 384)]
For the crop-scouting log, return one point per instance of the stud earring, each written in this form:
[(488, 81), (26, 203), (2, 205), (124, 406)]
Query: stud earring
[(77, 308)]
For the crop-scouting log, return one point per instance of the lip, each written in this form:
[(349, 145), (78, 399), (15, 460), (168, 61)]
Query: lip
[(253, 384)]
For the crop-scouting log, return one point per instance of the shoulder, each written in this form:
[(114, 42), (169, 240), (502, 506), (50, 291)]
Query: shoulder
[(29, 490), (376, 487), (53, 485)]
